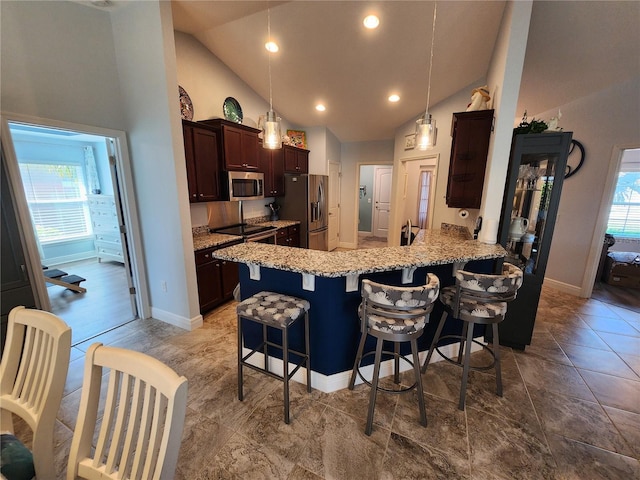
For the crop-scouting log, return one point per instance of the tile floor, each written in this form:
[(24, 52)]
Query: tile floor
[(571, 408)]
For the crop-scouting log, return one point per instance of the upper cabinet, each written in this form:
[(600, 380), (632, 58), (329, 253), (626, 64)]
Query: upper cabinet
[(296, 160), (238, 144), (203, 162), (272, 165), (471, 132)]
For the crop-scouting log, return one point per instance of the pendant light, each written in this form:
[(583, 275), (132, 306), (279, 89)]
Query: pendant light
[(271, 123), (426, 125)]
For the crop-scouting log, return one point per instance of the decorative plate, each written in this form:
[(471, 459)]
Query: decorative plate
[(186, 107), (232, 110)]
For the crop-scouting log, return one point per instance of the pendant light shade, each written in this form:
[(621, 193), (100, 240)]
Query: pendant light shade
[(271, 123), (271, 130), (426, 131)]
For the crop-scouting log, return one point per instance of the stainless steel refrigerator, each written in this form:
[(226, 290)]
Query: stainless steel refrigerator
[(305, 200)]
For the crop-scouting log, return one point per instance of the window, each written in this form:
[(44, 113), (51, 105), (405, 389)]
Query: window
[(624, 216), (56, 195)]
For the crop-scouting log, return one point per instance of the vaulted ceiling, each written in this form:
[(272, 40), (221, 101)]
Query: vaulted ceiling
[(574, 48)]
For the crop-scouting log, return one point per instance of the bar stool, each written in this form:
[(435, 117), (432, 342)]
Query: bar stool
[(271, 309), (395, 314), (476, 299)]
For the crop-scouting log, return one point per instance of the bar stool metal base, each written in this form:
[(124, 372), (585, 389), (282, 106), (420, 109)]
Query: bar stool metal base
[(466, 341), (243, 361)]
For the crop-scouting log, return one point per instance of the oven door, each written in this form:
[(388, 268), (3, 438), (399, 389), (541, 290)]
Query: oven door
[(264, 237)]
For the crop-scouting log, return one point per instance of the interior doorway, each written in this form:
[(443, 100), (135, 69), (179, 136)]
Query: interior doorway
[(68, 180), (622, 226), (374, 202), (419, 190)]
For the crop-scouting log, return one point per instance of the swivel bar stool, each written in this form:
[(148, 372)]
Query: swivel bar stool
[(279, 311), (394, 314), (476, 299)]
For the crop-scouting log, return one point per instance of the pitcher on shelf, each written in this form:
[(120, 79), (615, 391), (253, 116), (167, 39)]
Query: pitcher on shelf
[(518, 228)]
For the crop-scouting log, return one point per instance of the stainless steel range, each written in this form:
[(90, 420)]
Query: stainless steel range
[(228, 218), (250, 233)]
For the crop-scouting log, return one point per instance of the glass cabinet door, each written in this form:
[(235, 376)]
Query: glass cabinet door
[(530, 209)]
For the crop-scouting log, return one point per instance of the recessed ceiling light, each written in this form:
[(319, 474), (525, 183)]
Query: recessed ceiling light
[(371, 21), (394, 98), (271, 46), (320, 107)]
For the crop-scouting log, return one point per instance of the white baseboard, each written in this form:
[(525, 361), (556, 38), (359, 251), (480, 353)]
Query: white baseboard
[(562, 287), (176, 320), (76, 257), (340, 381)]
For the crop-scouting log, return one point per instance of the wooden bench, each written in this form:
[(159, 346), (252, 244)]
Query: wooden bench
[(58, 277)]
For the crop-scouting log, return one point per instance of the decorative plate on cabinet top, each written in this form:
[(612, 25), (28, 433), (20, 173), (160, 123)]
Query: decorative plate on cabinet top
[(186, 107), (232, 110)]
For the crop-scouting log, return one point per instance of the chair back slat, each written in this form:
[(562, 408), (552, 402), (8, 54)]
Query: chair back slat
[(32, 377), (142, 431), (143, 395)]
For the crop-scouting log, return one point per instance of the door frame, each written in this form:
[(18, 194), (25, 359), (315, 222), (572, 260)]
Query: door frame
[(335, 184), (601, 222), (124, 187), (356, 195)]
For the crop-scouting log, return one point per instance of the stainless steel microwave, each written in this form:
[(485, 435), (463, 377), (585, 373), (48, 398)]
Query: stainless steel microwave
[(246, 185)]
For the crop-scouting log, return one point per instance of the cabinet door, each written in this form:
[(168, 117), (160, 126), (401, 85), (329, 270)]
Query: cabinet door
[(209, 285), (240, 149), (471, 132), (294, 236), (272, 165), (282, 236), (296, 160), (187, 132), (277, 173), (207, 165), (230, 278)]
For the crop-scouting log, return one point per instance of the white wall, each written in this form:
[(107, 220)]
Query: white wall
[(504, 76), (602, 122), (57, 61), (145, 53), (69, 62)]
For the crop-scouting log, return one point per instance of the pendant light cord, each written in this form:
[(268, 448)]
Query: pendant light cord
[(268, 40), (433, 35)]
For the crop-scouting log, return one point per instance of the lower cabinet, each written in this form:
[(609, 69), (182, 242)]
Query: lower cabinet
[(289, 236), (216, 279)]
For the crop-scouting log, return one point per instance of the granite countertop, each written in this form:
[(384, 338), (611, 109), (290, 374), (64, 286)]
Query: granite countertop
[(203, 239), (430, 247)]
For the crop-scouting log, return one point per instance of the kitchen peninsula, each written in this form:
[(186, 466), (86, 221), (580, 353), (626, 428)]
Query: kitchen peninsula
[(330, 282)]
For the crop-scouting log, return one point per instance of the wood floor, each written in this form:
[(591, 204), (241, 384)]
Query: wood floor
[(104, 306), (621, 296)]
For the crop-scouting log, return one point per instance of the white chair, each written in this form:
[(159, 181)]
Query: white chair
[(32, 377), (140, 432)]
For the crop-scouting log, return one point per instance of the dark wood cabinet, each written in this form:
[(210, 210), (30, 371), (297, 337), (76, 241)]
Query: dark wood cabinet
[(216, 278), (272, 165), (203, 162), (288, 236), (238, 144), (471, 132), (296, 160)]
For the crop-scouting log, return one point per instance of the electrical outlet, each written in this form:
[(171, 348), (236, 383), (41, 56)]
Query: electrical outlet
[(164, 286)]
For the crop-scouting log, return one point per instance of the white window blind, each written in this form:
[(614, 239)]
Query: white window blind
[(57, 199), (624, 216)]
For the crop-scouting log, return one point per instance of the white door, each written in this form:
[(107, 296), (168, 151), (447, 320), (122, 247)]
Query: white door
[(382, 201), (334, 205)]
